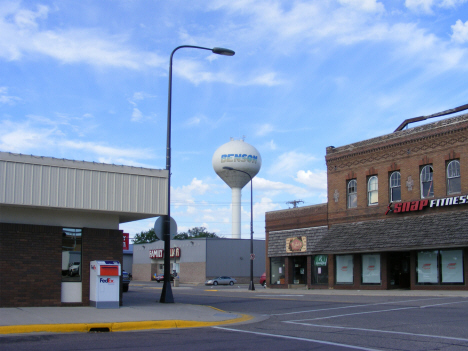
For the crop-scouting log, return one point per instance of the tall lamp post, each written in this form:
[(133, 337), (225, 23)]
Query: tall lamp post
[(166, 294), (251, 285)]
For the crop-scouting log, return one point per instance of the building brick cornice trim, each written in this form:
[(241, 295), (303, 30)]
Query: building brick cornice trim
[(400, 139), (459, 135)]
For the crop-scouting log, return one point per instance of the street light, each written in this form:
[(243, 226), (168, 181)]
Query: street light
[(251, 285), (166, 294)]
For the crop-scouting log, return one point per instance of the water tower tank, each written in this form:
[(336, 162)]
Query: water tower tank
[(242, 156)]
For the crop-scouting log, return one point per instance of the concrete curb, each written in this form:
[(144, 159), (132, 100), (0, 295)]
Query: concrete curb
[(115, 326)]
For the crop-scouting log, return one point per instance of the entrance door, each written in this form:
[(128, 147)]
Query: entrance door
[(399, 271), (300, 270)]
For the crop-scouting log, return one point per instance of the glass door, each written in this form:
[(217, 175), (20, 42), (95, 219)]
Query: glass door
[(300, 270)]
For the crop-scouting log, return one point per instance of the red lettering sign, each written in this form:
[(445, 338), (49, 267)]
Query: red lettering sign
[(126, 240), (159, 253)]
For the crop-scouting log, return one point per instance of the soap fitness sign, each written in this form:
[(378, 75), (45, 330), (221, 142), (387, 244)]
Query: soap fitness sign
[(296, 244)]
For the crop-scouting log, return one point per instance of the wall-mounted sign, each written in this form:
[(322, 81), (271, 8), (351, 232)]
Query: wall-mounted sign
[(159, 253), (418, 205), (320, 260), (126, 245), (296, 244)]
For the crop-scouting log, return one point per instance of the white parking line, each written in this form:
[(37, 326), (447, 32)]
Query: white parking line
[(352, 306), (379, 331), (379, 311), (352, 314), (299, 339), (270, 295), (446, 303)]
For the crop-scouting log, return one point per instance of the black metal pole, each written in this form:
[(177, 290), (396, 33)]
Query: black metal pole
[(251, 284), (166, 294)]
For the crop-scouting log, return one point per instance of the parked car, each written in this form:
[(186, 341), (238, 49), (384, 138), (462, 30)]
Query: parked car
[(223, 280), (125, 281), (74, 269), (160, 277), (263, 279)]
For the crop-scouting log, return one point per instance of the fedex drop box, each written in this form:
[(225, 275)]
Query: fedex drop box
[(104, 286)]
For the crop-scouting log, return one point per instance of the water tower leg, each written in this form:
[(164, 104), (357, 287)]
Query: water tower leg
[(236, 213)]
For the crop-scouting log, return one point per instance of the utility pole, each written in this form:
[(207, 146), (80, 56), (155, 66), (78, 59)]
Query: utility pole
[(294, 202)]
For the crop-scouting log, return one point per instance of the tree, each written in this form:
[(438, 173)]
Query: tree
[(144, 237), (196, 232)]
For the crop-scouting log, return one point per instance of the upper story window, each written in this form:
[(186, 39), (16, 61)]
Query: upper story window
[(395, 187), (453, 177), (373, 190), (427, 185), (352, 193)]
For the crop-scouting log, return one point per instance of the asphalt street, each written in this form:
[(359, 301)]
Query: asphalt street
[(286, 320)]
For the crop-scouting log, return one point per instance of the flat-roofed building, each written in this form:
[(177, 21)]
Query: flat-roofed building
[(58, 213)]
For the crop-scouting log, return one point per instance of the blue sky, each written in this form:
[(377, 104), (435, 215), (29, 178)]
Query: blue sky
[(87, 80)]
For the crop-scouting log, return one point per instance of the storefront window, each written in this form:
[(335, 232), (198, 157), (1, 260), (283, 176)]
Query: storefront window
[(371, 269), (320, 269), (452, 266), (277, 272), (344, 269), (71, 255), (440, 266), (427, 268)]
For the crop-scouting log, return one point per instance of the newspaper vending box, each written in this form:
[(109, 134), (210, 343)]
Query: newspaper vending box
[(104, 286)]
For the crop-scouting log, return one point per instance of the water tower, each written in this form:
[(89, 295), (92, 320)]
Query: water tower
[(242, 156)]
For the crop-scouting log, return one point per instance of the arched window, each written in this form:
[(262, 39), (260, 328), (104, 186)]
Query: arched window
[(352, 193), (395, 187), (373, 190), (427, 185), (453, 177)]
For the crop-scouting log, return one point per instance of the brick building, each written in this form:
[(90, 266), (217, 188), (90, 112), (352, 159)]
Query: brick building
[(396, 217), (55, 214)]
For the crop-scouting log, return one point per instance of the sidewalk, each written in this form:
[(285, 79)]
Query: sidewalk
[(85, 319)]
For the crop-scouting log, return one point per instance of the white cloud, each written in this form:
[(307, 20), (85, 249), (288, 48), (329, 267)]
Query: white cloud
[(196, 120), (27, 19), (314, 180), (265, 205), (44, 135), (452, 3), (426, 6), (105, 151), (305, 24), (268, 79), (264, 129), (136, 115), (21, 138), (420, 5), (185, 195), (271, 145), (7, 99), (272, 188), (460, 32), (290, 162), (20, 34), (364, 5)]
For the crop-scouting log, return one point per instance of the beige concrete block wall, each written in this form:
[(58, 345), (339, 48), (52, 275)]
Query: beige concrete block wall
[(193, 272), (141, 272)]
